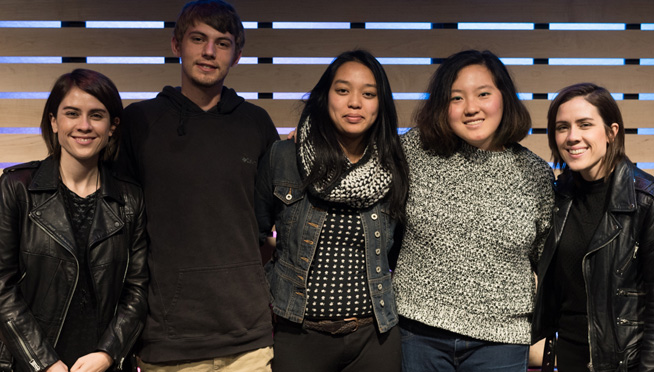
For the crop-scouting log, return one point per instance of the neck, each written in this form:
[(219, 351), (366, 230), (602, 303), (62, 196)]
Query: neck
[(204, 97), (82, 178), (353, 148)]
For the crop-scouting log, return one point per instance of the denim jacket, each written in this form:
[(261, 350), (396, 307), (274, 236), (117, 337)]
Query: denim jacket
[(298, 218)]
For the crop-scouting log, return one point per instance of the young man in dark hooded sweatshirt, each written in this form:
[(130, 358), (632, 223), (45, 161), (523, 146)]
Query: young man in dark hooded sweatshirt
[(195, 151)]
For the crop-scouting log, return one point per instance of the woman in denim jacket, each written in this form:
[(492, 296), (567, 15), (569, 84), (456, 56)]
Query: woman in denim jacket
[(334, 198)]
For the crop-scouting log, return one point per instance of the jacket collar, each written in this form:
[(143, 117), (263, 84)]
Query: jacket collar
[(46, 178), (622, 192)]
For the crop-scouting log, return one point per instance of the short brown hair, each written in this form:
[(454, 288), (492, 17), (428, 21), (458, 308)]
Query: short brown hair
[(432, 116), (95, 84), (609, 112), (216, 13)]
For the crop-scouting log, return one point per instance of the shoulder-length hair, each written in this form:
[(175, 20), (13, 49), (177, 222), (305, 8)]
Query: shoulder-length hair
[(95, 84), (432, 116), (609, 112), (329, 156)]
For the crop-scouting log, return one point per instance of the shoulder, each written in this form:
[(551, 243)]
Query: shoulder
[(644, 182), (533, 161), (21, 172)]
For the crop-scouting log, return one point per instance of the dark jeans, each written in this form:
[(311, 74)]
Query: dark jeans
[(301, 350), (430, 349)]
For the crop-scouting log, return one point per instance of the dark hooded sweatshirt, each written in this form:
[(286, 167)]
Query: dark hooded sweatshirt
[(208, 296)]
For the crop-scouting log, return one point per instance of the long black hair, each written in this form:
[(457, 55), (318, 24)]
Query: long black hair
[(329, 156)]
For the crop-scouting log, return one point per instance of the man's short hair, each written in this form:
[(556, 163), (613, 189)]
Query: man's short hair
[(216, 13)]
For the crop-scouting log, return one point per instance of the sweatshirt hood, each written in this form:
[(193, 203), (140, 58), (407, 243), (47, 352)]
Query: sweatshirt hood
[(229, 101)]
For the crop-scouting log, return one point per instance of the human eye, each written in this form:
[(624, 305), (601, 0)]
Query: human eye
[(456, 98), (225, 44), (561, 127), (71, 113), (585, 125), (370, 94), (197, 39), (97, 116), (484, 94)]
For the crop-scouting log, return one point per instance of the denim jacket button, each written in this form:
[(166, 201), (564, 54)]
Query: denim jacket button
[(377, 251), (289, 196), (377, 234), (373, 216), (379, 286), (378, 269), (381, 303)]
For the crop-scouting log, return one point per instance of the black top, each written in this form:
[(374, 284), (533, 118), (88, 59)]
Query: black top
[(337, 286), (80, 334), (588, 206)]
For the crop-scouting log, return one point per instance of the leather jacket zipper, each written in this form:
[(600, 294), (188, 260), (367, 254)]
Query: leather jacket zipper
[(31, 359), (132, 340), (628, 263), (70, 298)]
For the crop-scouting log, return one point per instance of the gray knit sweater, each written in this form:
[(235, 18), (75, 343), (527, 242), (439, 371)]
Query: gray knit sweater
[(477, 222)]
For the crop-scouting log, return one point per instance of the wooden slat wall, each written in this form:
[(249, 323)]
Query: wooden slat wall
[(269, 43)]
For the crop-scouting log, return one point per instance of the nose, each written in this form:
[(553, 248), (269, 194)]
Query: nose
[(84, 125), (573, 134), (471, 107), (354, 101), (209, 50)]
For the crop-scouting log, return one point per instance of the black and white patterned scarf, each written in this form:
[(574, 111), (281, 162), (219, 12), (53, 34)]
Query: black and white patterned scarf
[(361, 185)]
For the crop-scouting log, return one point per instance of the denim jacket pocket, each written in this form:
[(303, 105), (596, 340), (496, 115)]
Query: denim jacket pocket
[(288, 195)]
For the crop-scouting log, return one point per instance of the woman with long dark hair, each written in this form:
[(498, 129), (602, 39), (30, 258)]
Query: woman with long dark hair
[(478, 213), (73, 271), (334, 198), (596, 276)]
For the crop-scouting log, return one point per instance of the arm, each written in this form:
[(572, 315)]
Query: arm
[(646, 251), (263, 197), (19, 329), (129, 318), (544, 222)]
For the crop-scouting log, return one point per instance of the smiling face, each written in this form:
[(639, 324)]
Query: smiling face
[(207, 55), (475, 109), (353, 103), (83, 127), (581, 137)]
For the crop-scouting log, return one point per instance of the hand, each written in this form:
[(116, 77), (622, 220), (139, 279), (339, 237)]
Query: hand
[(59, 366), (292, 136), (93, 362)]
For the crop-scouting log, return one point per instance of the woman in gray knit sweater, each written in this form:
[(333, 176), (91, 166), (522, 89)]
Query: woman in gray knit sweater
[(478, 213)]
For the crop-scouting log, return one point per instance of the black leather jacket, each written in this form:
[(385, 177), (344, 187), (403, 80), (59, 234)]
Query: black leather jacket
[(618, 271), (39, 271)]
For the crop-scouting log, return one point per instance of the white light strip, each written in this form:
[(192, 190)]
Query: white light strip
[(250, 25), (248, 95), (588, 26), (126, 60), (525, 96), (124, 24), (311, 25), (586, 61), (404, 61), (30, 59), (517, 61), (494, 26), (30, 24), (290, 95), (138, 95), (398, 26), (248, 61), (410, 96), (302, 60), (647, 26)]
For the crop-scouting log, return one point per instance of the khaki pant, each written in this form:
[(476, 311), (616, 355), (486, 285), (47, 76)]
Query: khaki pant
[(251, 361)]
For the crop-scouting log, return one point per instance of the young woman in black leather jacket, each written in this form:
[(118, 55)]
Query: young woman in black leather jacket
[(596, 277), (73, 271)]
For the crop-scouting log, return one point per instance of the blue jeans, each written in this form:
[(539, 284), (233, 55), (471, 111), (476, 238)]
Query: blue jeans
[(429, 349)]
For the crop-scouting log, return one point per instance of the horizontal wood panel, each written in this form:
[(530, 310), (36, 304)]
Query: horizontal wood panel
[(345, 10), (286, 113), (19, 148), (638, 147), (440, 43), (301, 78)]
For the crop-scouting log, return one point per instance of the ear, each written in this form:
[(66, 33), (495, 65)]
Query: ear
[(237, 57), (613, 131), (113, 127), (53, 123), (176, 47)]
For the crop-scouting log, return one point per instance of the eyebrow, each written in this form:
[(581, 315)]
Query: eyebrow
[(78, 109), (348, 83)]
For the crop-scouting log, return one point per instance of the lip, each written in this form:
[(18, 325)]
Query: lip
[(207, 67), (577, 151), (473, 121), (83, 140), (353, 118)]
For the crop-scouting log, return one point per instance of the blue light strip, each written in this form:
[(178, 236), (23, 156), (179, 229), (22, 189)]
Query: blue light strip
[(403, 130), (525, 96), (20, 130), (495, 26), (647, 26), (398, 26), (248, 61), (285, 130), (586, 61), (311, 25), (250, 25), (646, 131), (404, 61), (124, 24), (517, 61), (7, 165), (24, 95), (126, 60), (290, 95), (645, 165), (30, 24), (646, 96), (588, 26), (618, 96), (302, 60), (410, 96), (647, 61), (551, 96), (50, 60), (138, 95)]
